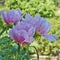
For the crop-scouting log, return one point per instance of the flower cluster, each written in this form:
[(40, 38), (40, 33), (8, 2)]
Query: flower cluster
[(25, 28)]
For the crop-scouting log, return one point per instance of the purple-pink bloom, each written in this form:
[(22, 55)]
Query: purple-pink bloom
[(22, 33), (51, 37), (32, 20), (12, 16), (42, 26)]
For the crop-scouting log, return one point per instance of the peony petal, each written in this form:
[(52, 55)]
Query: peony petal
[(4, 16), (31, 31), (23, 25), (11, 33), (29, 40), (31, 20), (28, 17), (51, 37), (36, 18), (43, 26), (13, 15)]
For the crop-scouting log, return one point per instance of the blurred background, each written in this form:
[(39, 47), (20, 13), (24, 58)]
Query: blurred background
[(49, 9)]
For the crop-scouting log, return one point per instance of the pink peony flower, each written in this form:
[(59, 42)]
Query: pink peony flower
[(12, 16), (42, 26), (32, 20), (22, 33)]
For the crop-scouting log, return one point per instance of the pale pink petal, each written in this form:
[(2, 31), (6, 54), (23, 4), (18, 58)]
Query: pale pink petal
[(5, 18), (43, 26), (31, 31), (29, 40), (51, 37), (28, 17)]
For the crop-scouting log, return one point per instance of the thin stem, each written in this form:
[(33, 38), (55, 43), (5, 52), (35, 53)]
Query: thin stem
[(27, 51), (18, 48), (4, 28), (26, 54), (36, 52)]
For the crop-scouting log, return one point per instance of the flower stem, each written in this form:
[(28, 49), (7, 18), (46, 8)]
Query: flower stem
[(18, 48), (26, 54), (4, 28), (36, 52)]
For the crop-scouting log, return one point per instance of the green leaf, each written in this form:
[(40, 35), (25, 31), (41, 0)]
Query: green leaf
[(1, 58), (4, 40), (14, 49)]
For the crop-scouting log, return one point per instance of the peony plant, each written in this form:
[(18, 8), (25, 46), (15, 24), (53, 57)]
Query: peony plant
[(24, 28)]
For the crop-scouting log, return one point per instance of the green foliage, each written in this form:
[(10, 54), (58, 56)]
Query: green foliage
[(1, 23), (8, 48), (57, 3), (43, 7), (4, 40)]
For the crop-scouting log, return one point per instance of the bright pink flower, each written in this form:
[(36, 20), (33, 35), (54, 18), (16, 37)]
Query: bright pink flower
[(22, 33), (12, 16)]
